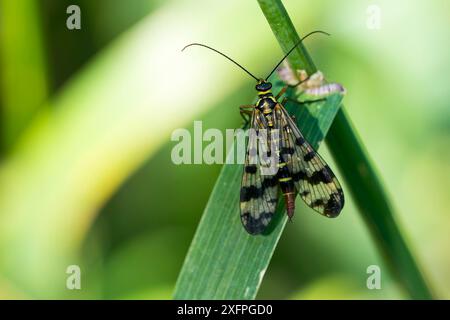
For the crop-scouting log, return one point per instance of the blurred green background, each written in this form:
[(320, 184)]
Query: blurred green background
[(86, 117)]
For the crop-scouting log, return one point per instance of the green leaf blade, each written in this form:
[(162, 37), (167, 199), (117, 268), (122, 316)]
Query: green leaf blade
[(351, 157), (224, 261)]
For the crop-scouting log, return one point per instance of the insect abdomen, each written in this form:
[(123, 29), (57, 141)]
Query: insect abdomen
[(287, 188)]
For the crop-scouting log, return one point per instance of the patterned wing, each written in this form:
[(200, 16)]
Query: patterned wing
[(315, 182), (259, 193)]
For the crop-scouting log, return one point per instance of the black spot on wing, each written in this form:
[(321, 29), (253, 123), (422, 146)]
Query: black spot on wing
[(327, 175), (334, 205), (251, 168), (300, 175), (287, 150), (269, 181), (322, 175), (299, 141), (250, 192), (253, 192), (309, 156)]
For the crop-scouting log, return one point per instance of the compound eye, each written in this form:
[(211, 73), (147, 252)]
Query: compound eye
[(263, 86)]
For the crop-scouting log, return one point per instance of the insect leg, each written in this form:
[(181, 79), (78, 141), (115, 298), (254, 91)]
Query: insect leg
[(299, 83), (282, 91), (304, 102)]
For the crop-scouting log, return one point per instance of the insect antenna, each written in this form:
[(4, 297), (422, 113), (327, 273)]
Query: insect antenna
[(289, 52), (222, 54)]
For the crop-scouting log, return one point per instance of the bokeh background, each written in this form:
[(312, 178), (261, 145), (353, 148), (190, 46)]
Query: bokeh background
[(86, 117)]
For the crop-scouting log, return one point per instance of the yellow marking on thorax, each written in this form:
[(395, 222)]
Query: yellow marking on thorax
[(261, 93)]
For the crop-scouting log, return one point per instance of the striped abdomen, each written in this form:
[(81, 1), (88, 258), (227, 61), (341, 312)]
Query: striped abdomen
[(287, 188)]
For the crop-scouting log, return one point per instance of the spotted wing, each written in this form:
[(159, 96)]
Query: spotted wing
[(315, 182), (259, 193)]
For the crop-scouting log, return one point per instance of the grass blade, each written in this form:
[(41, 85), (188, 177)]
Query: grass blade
[(224, 262), (366, 189)]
